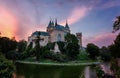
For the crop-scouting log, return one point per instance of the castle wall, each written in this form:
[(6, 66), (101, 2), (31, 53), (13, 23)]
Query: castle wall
[(43, 40), (54, 36)]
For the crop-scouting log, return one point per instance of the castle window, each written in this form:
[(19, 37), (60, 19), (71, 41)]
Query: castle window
[(59, 37)]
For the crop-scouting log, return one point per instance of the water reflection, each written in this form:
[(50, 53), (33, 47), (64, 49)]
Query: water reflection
[(40, 71)]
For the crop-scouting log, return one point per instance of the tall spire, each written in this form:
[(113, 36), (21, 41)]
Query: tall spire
[(56, 22), (49, 23), (52, 23), (66, 26)]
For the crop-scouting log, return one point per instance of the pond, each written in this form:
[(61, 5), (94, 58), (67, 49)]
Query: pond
[(48, 71)]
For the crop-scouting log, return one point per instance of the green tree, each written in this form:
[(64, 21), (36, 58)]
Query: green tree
[(71, 38), (117, 45), (116, 25), (115, 48), (112, 50), (7, 44), (93, 50), (6, 67), (21, 45), (72, 47), (37, 48), (29, 47), (105, 54), (61, 46), (51, 45), (83, 55)]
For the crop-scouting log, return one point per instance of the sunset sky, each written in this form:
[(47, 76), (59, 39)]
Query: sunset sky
[(94, 18)]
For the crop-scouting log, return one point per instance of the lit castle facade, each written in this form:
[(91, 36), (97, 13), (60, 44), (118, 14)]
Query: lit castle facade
[(54, 33)]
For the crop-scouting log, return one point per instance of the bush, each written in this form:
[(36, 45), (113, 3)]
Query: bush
[(6, 67), (83, 55)]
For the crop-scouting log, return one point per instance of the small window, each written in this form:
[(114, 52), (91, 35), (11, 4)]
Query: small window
[(59, 37)]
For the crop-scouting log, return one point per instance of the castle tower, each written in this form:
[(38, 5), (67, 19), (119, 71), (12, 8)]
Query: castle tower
[(50, 26), (79, 36), (56, 22), (67, 27)]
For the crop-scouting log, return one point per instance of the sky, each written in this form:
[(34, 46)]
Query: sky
[(94, 18)]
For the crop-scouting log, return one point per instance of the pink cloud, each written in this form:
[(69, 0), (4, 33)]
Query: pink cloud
[(8, 22), (111, 3), (103, 39), (77, 14)]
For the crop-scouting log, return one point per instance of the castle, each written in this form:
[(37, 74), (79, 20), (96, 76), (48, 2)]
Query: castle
[(54, 33)]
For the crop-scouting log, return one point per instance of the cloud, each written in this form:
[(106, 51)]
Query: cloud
[(8, 22), (103, 39), (77, 14), (111, 3)]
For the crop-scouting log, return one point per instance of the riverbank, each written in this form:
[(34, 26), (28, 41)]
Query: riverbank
[(59, 64)]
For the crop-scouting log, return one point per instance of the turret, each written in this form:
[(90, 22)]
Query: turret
[(66, 26), (50, 26), (56, 22)]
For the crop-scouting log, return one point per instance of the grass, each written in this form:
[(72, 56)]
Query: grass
[(58, 64)]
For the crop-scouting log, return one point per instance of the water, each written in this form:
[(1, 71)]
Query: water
[(44, 71)]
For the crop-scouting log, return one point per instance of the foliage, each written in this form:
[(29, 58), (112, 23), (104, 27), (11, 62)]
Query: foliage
[(93, 50), (7, 44), (59, 57), (115, 68), (99, 72), (6, 67), (51, 45), (117, 45), (115, 48), (115, 52), (29, 47), (12, 55), (37, 48), (72, 47), (21, 45), (105, 54), (62, 46), (71, 38), (83, 55), (116, 25)]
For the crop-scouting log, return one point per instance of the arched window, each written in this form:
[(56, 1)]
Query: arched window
[(59, 37)]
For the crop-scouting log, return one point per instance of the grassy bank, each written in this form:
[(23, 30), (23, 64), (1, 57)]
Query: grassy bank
[(59, 64)]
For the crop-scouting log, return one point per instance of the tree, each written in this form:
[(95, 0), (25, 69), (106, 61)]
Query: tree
[(93, 50), (115, 48), (116, 25), (7, 44), (61, 46), (72, 47), (6, 67), (29, 47), (37, 47), (71, 38), (117, 45), (105, 54), (21, 45)]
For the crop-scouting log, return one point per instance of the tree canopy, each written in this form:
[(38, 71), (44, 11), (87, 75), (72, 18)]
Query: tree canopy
[(105, 54), (93, 50), (7, 44), (116, 24), (72, 47), (115, 48), (6, 67)]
